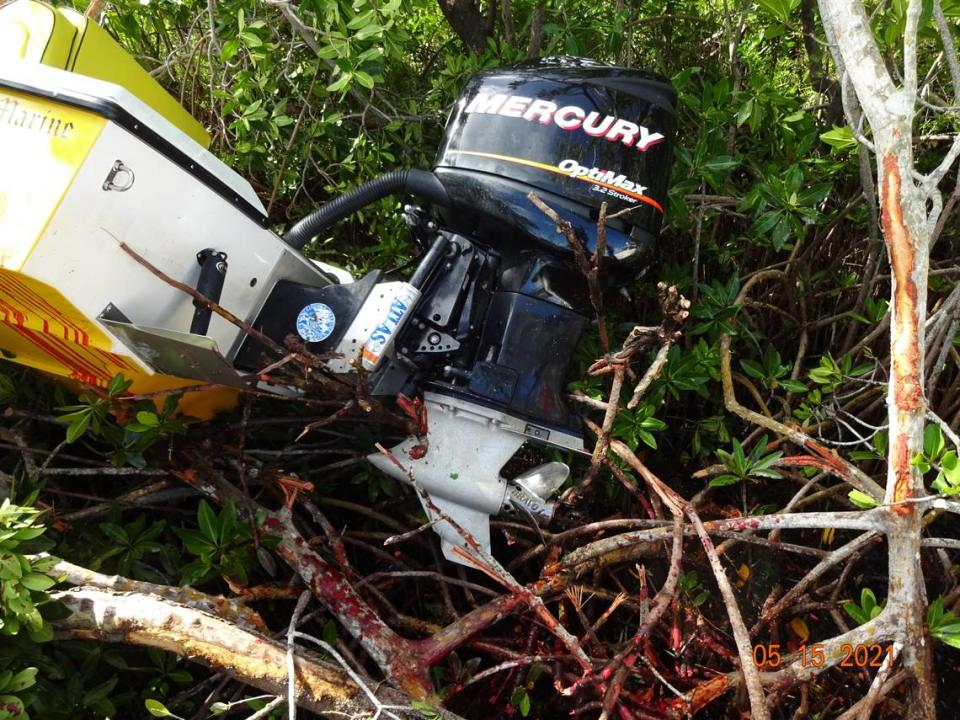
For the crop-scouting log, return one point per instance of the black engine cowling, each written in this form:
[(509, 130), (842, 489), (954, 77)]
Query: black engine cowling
[(502, 305), (578, 133)]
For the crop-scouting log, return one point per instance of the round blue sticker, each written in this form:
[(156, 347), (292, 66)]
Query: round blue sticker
[(315, 322)]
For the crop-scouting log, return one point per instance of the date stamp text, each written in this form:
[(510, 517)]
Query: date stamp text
[(769, 657)]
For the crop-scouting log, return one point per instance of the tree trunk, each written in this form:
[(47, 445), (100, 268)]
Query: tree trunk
[(467, 22), (906, 229)]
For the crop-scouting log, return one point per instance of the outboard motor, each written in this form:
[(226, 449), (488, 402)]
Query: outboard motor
[(480, 335), (486, 326)]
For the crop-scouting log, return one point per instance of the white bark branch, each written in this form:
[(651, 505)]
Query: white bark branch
[(229, 609), (846, 23), (857, 520), (910, 48), (254, 659), (949, 49)]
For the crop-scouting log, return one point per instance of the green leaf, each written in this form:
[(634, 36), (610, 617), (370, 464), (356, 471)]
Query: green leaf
[(29, 533), (327, 52), (720, 163), (10, 568), (744, 113), (950, 467), (840, 138), (646, 438), (521, 700), (920, 462), (944, 626), (949, 625), (157, 708), (227, 521), (341, 82), (780, 9), (230, 49), (100, 692), (196, 572), (933, 443), (794, 386), (330, 632), (814, 195), (364, 79), (115, 532), (854, 611), (753, 369), (724, 480), (360, 20), (145, 417), (953, 640), (368, 31), (181, 677), (780, 234), (118, 385), (196, 542), (770, 474), (22, 680), (861, 499), (935, 613), (207, 520), (652, 423), (78, 427), (774, 31), (251, 40), (35, 581)]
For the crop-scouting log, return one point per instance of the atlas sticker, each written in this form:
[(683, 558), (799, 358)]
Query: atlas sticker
[(384, 334), (316, 322)]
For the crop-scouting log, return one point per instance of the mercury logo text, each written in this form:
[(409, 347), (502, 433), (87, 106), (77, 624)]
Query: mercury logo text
[(568, 117)]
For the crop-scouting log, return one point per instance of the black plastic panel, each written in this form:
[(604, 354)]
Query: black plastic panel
[(278, 318), (533, 341)]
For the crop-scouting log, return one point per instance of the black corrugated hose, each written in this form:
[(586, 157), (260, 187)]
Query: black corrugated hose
[(421, 183)]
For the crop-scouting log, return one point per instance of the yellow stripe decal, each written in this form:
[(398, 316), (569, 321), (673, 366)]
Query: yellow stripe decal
[(554, 169)]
